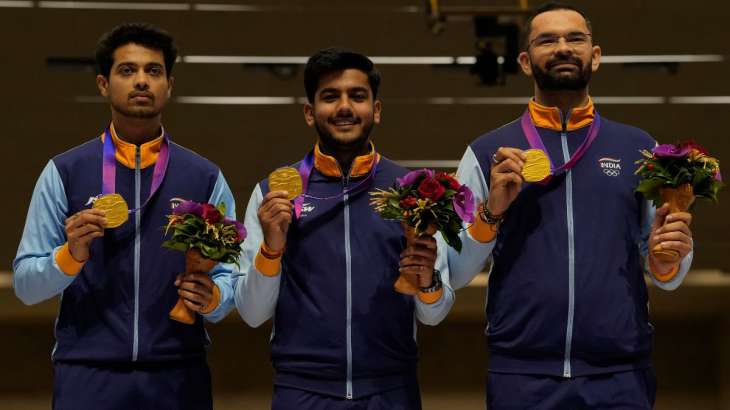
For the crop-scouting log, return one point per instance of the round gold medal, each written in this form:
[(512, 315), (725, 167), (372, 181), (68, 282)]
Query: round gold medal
[(116, 209), (537, 166), (286, 179)]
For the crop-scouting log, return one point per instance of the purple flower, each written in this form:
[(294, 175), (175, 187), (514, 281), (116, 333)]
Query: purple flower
[(679, 150), (671, 151), (464, 204), (718, 176), (411, 177), (239, 227), (188, 207)]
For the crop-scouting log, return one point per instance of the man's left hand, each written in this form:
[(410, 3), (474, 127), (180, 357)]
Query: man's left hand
[(419, 258), (671, 231), (196, 289)]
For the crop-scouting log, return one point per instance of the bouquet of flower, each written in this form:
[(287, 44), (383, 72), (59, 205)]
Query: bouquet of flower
[(207, 237), (673, 166), (205, 228), (676, 174), (426, 202)]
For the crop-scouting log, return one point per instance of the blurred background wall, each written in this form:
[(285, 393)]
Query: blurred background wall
[(239, 99)]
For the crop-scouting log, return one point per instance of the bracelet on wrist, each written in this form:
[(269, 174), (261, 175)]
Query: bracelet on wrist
[(489, 217), (436, 283)]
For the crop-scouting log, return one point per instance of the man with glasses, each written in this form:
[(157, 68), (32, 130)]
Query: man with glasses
[(568, 322)]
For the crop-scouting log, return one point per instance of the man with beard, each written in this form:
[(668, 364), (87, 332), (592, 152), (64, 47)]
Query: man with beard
[(116, 347), (325, 265), (568, 323)]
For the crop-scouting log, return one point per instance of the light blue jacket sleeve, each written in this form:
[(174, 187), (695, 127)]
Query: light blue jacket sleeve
[(465, 265), (647, 219), (432, 314), (256, 293), (36, 276), (224, 275)]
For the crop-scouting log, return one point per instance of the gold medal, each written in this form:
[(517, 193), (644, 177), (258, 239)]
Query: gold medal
[(286, 179), (115, 207), (537, 166)]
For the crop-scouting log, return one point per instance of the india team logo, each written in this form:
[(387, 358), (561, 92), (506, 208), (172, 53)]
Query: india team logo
[(610, 166)]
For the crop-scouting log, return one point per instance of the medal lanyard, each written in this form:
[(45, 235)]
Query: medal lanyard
[(535, 141), (305, 171), (109, 167)]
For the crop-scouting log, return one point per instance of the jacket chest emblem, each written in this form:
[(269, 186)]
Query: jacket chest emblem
[(610, 166), (307, 208)]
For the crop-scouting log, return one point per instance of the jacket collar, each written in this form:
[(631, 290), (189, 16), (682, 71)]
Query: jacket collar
[(550, 117), (126, 152), (329, 166)]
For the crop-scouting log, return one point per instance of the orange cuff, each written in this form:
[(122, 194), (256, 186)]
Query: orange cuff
[(663, 277), (67, 263), (268, 266), (482, 231), (430, 297), (213, 303)]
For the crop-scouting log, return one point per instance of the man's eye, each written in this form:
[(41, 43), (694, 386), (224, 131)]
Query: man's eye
[(546, 41), (125, 70)]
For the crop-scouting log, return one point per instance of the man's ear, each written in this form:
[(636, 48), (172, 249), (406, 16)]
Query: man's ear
[(309, 114), (170, 82), (596, 58), (377, 110), (102, 83), (524, 60)]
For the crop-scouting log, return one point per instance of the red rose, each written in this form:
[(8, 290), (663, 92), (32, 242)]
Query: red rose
[(448, 179), (431, 189), (211, 213), (408, 202)]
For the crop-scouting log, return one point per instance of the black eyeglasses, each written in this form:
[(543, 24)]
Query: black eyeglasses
[(549, 41)]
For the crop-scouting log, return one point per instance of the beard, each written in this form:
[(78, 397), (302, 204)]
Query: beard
[(549, 80), (330, 140)]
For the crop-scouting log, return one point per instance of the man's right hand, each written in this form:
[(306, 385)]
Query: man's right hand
[(275, 215), (82, 228), (505, 179)]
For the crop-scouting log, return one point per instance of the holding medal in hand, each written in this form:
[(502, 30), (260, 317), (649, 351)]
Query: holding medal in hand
[(567, 238), (82, 228), (321, 261), (105, 256)]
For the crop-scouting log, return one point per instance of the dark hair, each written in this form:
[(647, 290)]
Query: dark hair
[(143, 34), (551, 6), (329, 60)]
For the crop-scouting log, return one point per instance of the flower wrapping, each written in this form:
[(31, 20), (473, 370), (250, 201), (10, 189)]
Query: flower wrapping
[(424, 198)]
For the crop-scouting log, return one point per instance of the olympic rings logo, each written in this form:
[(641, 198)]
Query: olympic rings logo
[(611, 172)]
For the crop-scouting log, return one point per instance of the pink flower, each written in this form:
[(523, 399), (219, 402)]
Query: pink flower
[(411, 177), (464, 204), (240, 229), (670, 151), (188, 207), (677, 150)]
